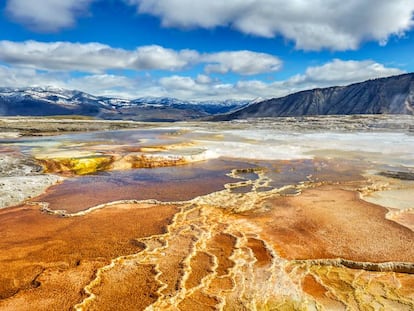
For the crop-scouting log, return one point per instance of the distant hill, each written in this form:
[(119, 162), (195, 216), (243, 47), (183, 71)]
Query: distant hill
[(392, 95), (37, 101)]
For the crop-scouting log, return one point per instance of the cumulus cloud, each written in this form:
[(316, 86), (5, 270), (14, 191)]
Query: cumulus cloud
[(63, 55), (102, 84), (96, 57), (47, 15), (335, 72), (242, 62), (186, 87), (340, 72), (200, 87), (99, 84), (203, 79), (92, 57), (157, 57), (189, 88), (312, 24), (178, 82)]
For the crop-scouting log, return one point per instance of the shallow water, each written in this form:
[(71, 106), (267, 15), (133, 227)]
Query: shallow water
[(163, 184)]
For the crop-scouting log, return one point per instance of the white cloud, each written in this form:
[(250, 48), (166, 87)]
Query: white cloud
[(22, 77), (63, 55), (203, 79), (157, 57), (340, 72), (336, 72), (103, 84), (186, 87), (97, 57), (242, 62), (100, 84), (201, 87), (92, 57), (311, 24), (189, 13), (47, 15), (178, 83)]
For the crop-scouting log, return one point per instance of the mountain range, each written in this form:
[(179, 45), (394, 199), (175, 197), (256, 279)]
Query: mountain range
[(47, 101), (391, 95)]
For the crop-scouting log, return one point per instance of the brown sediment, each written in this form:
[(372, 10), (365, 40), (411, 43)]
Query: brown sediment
[(201, 265), (210, 259), (222, 246), (321, 294), (53, 258), (328, 222), (57, 288), (222, 284), (271, 252), (263, 257), (126, 287), (312, 287), (407, 285), (173, 268), (198, 301)]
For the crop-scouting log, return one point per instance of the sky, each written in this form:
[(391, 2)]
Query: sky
[(203, 50)]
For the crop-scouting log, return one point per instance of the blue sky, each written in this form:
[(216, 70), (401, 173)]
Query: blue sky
[(203, 50)]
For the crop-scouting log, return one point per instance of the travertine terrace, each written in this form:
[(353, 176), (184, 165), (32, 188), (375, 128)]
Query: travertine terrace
[(266, 215)]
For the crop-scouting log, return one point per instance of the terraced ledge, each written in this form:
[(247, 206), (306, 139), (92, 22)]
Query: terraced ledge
[(397, 267), (212, 256), (44, 207), (153, 255)]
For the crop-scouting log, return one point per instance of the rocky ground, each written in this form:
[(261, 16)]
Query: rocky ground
[(21, 179), (31, 126)]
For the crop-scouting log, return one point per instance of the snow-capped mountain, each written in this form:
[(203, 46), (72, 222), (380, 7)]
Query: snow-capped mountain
[(46, 101), (162, 102), (49, 94)]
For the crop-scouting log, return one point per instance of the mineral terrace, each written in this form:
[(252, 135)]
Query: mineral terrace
[(270, 214)]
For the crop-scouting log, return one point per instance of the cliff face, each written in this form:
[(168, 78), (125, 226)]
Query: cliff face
[(392, 95)]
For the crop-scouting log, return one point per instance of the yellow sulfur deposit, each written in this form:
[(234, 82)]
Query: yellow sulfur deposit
[(77, 166)]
